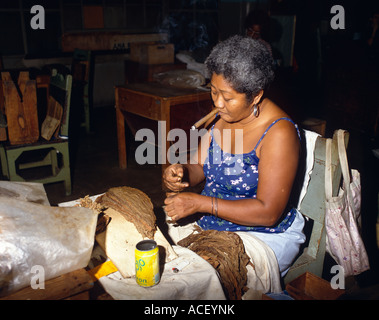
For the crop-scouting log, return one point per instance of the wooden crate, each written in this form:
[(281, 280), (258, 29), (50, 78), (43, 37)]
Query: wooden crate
[(310, 287), (152, 52)]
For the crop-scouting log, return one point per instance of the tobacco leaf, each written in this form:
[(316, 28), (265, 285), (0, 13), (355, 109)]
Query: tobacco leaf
[(134, 205), (225, 251)]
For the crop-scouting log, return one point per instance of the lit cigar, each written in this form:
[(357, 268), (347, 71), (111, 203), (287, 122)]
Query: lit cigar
[(204, 119)]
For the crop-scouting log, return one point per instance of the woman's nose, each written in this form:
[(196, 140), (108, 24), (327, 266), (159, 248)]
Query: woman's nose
[(217, 101)]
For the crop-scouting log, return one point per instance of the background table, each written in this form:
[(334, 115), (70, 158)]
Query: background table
[(179, 107)]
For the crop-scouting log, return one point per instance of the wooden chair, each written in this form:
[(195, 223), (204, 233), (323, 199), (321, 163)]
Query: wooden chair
[(3, 122), (53, 153), (312, 207)]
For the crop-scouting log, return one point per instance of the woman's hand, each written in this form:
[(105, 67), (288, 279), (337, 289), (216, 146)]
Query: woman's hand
[(181, 205), (172, 178)]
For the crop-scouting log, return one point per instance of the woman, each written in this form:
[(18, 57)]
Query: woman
[(234, 199), (256, 26)]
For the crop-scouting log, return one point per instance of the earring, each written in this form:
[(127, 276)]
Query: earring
[(255, 111)]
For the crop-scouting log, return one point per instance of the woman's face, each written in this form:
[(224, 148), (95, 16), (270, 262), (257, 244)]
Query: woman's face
[(232, 105), (254, 31)]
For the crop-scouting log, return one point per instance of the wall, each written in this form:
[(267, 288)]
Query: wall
[(109, 72)]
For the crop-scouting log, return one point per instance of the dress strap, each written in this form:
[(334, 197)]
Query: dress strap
[(284, 118), (211, 132)]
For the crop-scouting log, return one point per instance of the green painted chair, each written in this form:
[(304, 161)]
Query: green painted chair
[(53, 153), (312, 206)]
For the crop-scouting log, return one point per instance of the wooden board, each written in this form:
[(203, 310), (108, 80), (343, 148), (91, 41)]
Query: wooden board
[(66, 286), (311, 287), (21, 108), (106, 40), (119, 241), (52, 120), (93, 17)]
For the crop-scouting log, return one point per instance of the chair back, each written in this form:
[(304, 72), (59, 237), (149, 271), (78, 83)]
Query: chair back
[(60, 89), (312, 206), (81, 65), (82, 75)]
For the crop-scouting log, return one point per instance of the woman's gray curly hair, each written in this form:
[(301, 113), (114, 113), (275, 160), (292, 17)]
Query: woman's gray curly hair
[(245, 63)]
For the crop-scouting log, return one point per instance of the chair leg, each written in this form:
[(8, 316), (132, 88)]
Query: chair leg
[(66, 170), (67, 186), (87, 122), (4, 162), (12, 156), (54, 161)]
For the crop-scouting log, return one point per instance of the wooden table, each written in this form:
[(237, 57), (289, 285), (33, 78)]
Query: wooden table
[(179, 107)]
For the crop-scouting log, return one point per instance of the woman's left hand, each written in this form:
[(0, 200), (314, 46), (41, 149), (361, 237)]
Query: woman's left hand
[(181, 205)]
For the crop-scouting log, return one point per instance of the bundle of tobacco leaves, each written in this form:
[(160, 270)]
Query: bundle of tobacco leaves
[(134, 205), (226, 253)]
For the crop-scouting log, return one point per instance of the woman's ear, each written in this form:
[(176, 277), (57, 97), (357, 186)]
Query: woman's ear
[(258, 98)]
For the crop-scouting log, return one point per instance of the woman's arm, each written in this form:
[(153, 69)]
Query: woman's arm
[(179, 176)]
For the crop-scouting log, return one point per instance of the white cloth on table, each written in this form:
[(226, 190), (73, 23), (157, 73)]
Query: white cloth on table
[(197, 281)]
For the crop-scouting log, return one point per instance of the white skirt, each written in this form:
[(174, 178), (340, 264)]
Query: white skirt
[(286, 245)]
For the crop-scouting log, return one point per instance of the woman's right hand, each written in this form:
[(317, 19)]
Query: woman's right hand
[(172, 178)]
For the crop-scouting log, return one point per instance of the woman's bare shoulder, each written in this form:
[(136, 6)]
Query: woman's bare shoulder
[(281, 129)]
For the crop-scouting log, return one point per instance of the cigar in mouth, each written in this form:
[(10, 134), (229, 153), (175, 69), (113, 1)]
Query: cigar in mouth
[(204, 119)]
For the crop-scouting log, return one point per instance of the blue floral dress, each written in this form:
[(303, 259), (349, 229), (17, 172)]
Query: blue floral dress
[(233, 177)]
